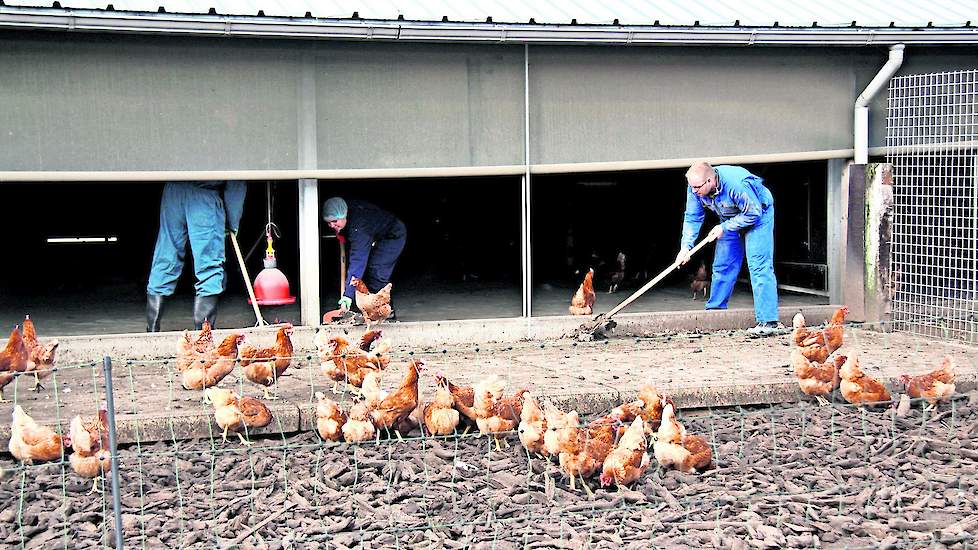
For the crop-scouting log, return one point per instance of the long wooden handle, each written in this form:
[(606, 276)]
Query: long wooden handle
[(654, 281), (342, 266), (244, 271)]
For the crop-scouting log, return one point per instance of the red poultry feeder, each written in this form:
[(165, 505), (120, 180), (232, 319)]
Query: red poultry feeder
[(271, 285)]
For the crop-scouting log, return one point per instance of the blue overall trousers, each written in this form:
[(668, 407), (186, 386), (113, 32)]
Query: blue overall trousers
[(198, 212)]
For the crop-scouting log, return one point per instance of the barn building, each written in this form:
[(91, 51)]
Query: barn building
[(520, 142)]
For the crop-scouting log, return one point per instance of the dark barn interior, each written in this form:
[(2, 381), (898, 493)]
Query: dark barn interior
[(584, 221), (100, 287), (462, 258)]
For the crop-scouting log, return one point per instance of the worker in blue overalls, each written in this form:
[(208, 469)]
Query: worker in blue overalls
[(201, 212), (746, 210), (376, 240)]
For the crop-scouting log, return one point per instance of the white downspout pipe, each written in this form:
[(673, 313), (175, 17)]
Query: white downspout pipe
[(861, 122)]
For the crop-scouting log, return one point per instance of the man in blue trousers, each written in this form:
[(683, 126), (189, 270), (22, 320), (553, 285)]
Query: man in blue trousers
[(376, 240), (201, 212), (746, 210)]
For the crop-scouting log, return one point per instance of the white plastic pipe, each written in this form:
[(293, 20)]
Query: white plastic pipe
[(526, 212), (861, 109), (129, 176)]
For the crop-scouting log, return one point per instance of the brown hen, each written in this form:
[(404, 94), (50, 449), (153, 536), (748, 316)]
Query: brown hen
[(818, 379), (375, 307), (583, 301), (463, 398), (89, 441), (213, 365), (342, 362), (329, 418), (191, 348), (440, 416), (494, 413), (629, 458), (582, 451), (234, 413), (14, 358), (859, 389), (40, 355), (264, 366), (400, 403), (934, 386), (29, 441)]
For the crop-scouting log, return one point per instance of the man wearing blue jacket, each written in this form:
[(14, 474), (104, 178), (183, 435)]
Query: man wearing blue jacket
[(201, 212), (376, 240), (746, 210)]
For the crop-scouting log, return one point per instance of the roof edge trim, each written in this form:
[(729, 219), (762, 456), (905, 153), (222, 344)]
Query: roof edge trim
[(393, 31)]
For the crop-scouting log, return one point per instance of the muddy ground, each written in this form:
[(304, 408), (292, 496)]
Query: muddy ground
[(795, 475)]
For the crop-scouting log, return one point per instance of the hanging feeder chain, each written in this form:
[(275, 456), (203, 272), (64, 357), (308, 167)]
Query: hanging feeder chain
[(270, 227)]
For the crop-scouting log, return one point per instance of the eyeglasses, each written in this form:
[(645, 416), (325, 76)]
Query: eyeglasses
[(697, 187)]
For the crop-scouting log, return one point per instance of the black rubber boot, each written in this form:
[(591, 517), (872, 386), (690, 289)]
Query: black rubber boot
[(154, 311), (205, 307)]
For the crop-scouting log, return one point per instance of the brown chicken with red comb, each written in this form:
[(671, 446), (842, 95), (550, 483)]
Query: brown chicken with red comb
[(41, 355), (935, 386), (858, 388), (89, 442), (400, 403), (265, 365), (375, 307), (14, 358), (583, 301)]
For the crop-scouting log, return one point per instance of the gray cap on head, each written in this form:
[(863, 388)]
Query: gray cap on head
[(334, 209)]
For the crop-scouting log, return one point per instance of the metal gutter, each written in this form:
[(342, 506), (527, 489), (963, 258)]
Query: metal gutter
[(412, 31), (861, 107)]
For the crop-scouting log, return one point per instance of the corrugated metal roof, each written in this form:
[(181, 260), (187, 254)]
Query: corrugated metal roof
[(708, 13)]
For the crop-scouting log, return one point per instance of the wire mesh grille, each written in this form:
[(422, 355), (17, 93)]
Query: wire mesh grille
[(789, 474), (932, 140)]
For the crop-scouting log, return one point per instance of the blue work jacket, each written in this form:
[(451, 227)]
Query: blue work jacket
[(739, 200)]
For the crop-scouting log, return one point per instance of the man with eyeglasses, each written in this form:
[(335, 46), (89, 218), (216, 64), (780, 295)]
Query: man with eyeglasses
[(746, 211)]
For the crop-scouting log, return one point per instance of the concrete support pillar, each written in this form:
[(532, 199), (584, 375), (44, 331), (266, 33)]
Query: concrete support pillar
[(525, 211), (309, 310), (836, 186), (879, 239), (869, 233), (853, 292)]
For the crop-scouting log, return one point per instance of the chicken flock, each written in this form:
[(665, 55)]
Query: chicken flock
[(617, 447), (822, 366), (25, 353)]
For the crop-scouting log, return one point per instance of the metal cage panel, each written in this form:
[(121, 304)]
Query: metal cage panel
[(932, 141)]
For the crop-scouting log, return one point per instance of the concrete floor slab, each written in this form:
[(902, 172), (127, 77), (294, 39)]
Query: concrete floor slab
[(102, 312)]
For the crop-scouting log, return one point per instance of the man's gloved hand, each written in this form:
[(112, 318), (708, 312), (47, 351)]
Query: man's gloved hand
[(715, 233), (345, 303)]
